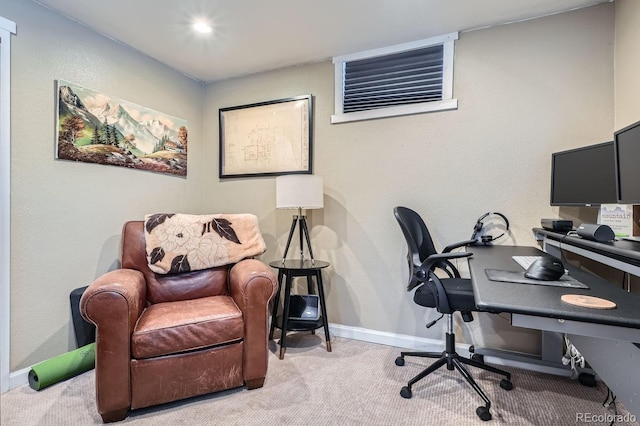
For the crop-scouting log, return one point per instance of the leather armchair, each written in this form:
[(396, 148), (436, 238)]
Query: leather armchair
[(162, 338)]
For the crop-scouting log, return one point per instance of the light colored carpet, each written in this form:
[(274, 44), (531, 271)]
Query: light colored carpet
[(356, 384)]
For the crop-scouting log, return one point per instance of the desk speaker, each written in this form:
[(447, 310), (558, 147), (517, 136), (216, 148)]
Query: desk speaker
[(595, 232)]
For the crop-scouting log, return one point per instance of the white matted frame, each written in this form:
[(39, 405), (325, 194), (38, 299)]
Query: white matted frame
[(267, 138)]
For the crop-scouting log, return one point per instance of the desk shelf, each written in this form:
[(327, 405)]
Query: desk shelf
[(620, 254)]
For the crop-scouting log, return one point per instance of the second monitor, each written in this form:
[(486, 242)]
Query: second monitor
[(584, 176), (627, 161)]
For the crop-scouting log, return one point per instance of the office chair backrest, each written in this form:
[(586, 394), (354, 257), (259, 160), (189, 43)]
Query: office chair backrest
[(419, 242), (415, 231)]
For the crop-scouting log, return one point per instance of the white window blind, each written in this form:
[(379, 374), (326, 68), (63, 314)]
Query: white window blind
[(404, 79)]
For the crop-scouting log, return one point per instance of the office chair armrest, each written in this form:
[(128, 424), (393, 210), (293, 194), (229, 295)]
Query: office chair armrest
[(439, 260), (439, 257), (431, 280), (448, 248), (422, 272), (436, 260)]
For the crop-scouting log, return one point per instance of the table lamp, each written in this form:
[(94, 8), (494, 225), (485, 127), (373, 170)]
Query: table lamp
[(299, 191)]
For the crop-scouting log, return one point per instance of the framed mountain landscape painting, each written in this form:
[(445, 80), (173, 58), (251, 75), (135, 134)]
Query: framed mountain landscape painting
[(98, 128)]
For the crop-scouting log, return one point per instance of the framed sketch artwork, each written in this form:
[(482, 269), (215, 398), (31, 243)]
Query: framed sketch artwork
[(266, 138), (98, 128)]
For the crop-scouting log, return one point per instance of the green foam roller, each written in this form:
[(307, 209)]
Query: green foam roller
[(62, 367)]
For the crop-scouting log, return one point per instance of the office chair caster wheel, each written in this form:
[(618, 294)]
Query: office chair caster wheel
[(399, 361), (506, 384), (477, 357), (406, 392), (483, 413)]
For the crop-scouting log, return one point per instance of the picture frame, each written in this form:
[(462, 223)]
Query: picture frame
[(266, 138), (96, 127)]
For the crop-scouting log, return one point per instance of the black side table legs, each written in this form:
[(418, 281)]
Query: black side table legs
[(287, 270)]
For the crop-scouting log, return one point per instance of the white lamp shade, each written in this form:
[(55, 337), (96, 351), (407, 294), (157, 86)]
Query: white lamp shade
[(299, 191)]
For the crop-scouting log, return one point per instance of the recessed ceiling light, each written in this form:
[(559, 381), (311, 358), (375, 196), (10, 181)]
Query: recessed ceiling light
[(202, 27)]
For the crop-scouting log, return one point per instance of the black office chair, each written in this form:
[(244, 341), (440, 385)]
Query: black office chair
[(447, 295)]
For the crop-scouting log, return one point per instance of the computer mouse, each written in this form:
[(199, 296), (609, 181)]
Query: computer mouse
[(545, 269)]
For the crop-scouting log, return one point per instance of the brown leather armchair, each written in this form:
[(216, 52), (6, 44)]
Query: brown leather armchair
[(161, 338)]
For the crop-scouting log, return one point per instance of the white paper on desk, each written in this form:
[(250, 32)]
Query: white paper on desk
[(619, 217)]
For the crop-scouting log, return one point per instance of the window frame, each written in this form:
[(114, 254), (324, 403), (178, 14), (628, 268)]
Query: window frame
[(7, 28), (447, 103)]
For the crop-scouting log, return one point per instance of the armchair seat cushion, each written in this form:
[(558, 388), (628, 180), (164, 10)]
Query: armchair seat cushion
[(182, 326)]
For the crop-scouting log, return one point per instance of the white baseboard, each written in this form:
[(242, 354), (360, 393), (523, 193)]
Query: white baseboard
[(389, 339), (433, 345), (21, 377)]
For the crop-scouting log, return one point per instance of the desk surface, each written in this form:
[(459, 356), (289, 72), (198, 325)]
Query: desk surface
[(541, 300)]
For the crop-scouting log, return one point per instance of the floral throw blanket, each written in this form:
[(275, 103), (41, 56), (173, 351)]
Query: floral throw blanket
[(182, 242)]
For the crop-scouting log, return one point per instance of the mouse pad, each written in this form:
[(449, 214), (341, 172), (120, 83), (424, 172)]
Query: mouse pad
[(518, 277)]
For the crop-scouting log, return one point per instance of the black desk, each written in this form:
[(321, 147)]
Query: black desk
[(544, 301), (287, 270), (608, 339)]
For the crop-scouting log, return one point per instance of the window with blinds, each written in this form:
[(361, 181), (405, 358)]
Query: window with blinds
[(405, 79)]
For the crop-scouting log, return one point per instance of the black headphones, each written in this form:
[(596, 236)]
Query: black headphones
[(485, 239)]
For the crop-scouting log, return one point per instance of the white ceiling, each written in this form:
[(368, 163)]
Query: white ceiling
[(252, 36)]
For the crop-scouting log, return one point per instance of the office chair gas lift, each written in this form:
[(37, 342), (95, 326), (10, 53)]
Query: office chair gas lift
[(447, 295)]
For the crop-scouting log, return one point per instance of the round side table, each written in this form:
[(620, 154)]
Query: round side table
[(287, 270)]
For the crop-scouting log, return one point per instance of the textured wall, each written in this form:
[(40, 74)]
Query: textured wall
[(627, 63), (525, 90), (66, 217)]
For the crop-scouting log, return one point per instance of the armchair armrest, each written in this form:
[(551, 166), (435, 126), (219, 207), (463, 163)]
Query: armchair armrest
[(252, 285), (113, 302), (127, 284)]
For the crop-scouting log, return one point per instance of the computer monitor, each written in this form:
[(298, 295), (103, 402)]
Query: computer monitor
[(627, 161), (584, 176)]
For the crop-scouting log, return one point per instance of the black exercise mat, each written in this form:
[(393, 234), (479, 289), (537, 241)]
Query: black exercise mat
[(518, 277)]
